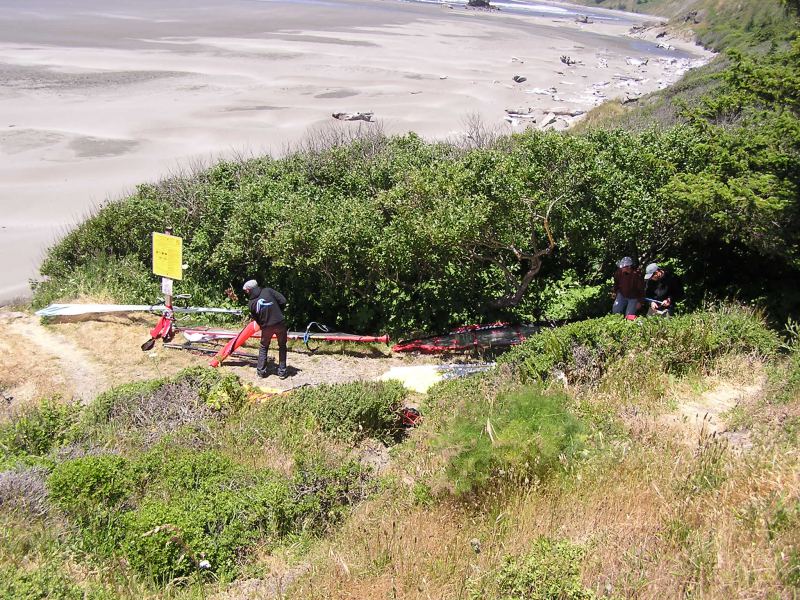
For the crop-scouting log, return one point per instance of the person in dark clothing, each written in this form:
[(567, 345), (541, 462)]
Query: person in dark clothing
[(266, 308), (663, 290), (628, 290)]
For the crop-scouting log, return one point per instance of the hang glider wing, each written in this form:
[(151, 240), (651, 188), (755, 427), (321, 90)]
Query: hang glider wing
[(469, 337), (71, 310)]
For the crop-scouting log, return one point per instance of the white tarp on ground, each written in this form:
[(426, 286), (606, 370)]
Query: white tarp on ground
[(419, 378)]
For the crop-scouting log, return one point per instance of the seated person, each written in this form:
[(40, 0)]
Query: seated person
[(628, 290), (663, 290)]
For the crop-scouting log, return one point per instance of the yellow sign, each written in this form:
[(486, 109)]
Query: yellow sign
[(167, 255)]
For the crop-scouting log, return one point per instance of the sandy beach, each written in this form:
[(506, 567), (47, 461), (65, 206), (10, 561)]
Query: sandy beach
[(98, 97)]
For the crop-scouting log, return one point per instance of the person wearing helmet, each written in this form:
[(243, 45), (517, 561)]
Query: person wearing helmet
[(266, 308), (628, 290), (663, 290)]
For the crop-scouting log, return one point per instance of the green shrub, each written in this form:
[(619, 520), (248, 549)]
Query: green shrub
[(172, 507), (46, 582), (346, 411), (584, 350), (94, 491), (175, 469), (216, 518), (519, 436), (91, 486), (37, 431), (550, 571), (165, 539)]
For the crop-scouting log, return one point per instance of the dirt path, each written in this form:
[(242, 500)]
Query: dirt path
[(83, 357), (110, 344), (83, 374), (705, 416)]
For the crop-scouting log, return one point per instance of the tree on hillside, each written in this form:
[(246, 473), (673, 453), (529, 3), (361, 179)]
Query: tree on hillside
[(529, 259)]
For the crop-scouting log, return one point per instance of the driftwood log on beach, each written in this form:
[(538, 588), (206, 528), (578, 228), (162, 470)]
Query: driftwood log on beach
[(515, 116), (356, 116)]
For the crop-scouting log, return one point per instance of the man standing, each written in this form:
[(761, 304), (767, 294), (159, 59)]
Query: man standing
[(663, 290), (266, 307)]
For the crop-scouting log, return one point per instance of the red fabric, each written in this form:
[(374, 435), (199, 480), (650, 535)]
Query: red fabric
[(468, 337), (245, 334)]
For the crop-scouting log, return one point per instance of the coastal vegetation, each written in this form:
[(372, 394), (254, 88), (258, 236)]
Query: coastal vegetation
[(542, 478), (603, 457), (401, 235)]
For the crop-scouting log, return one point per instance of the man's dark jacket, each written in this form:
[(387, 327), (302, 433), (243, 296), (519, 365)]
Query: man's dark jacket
[(669, 286), (266, 306)]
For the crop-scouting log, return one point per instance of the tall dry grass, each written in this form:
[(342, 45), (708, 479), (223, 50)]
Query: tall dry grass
[(657, 518)]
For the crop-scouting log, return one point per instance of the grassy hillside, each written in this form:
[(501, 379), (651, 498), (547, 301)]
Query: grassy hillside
[(655, 458), (731, 28), (662, 8), (591, 462), (718, 24)]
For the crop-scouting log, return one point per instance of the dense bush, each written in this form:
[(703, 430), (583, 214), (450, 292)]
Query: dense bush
[(37, 431), (171, 508), (519, 437), (86, 486), (584, 350), (165, 539), (401, 235), (348, 411), (218, 515), (176, 468), (550, 571)]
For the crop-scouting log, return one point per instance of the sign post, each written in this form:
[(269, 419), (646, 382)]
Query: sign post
[(167, 261)]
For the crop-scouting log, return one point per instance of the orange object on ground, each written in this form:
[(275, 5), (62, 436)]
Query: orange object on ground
[(245, 334)]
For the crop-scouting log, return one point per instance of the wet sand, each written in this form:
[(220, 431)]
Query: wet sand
[(96, 98)]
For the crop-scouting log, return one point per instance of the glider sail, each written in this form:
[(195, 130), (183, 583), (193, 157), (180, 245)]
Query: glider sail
[(237, 340), (252, 330), (469, 337)]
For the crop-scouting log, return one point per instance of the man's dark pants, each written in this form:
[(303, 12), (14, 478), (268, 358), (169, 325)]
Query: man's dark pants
[(279, 330)]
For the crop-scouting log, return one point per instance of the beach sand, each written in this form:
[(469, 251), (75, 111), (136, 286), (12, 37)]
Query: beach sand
[(96, 98)]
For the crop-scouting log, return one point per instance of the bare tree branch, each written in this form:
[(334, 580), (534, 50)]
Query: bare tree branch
[(534, 261)]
